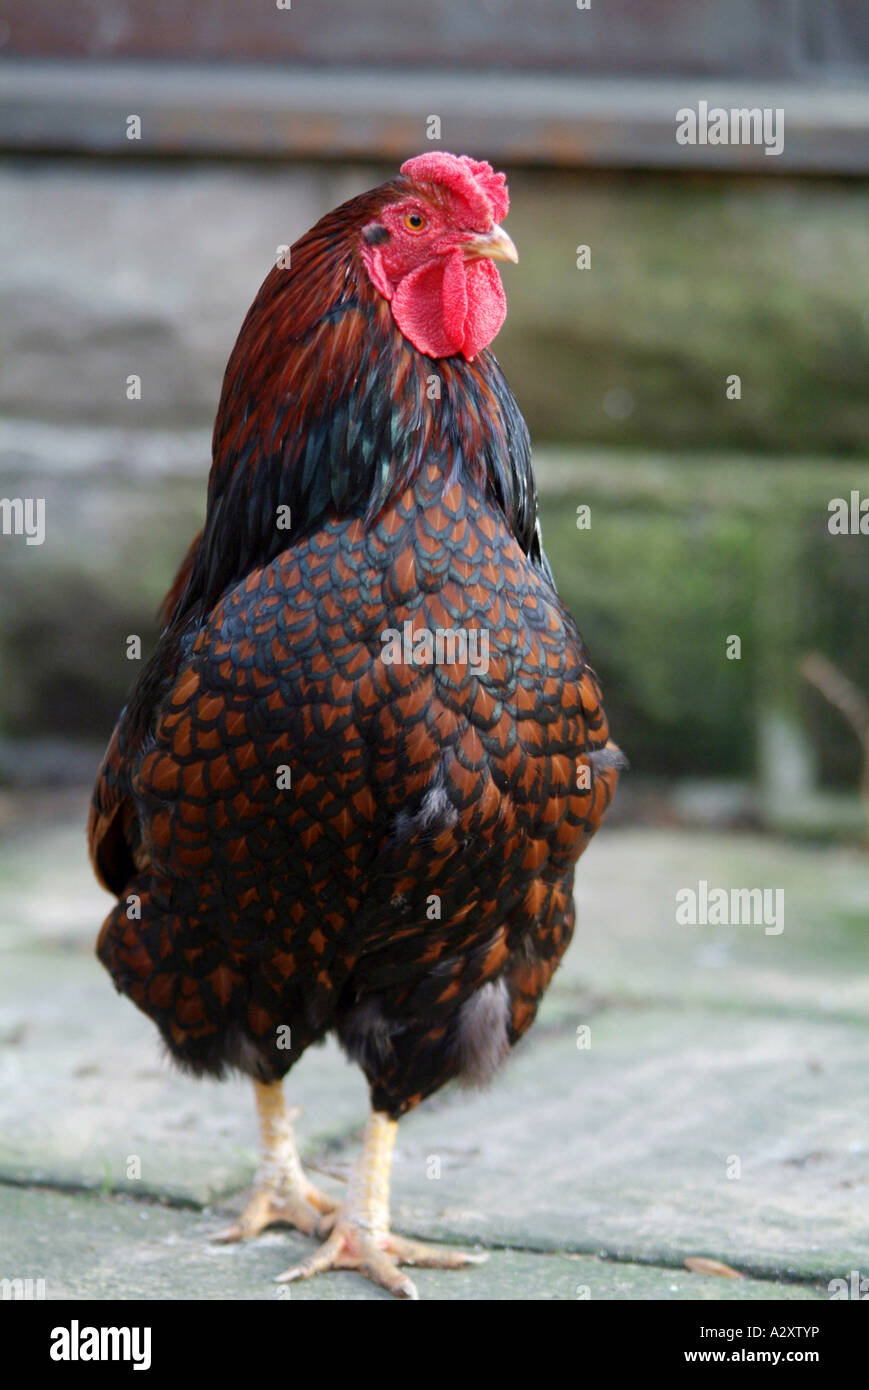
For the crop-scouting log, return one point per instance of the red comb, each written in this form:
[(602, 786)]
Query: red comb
[(472, 180)]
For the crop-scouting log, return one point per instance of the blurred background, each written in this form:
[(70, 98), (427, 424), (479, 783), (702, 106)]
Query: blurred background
[(155, 153), (709, 515)]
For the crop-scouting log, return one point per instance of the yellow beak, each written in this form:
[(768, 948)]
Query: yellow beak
[(496, 245)]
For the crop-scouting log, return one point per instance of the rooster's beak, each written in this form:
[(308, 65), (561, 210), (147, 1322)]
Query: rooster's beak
[(496, 245)]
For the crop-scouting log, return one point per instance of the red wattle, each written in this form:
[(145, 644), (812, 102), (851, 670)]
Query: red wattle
[(450, 305)]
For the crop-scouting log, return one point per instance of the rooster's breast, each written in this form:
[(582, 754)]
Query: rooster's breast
[(373, 776)]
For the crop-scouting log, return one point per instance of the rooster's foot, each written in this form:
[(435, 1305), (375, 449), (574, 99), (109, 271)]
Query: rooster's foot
[(378, 1255), (303, 1208), (360, 1237)]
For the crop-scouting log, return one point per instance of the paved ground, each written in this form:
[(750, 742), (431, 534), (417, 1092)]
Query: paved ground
[(716, 1110)]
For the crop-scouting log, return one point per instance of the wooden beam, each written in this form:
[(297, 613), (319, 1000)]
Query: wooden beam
[(248, 111)]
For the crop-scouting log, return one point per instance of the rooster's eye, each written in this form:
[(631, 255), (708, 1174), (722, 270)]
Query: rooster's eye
[(414, 221)]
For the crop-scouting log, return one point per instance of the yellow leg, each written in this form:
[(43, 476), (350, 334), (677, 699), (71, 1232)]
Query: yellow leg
[(281, 1192), (361, 1239)]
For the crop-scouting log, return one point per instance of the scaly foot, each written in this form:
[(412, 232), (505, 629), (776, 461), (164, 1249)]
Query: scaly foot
[(378, 1255)]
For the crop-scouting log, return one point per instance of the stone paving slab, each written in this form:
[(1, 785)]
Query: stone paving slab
[(620, 1149), (622, 1146), (85, 1246), (625, 1148)]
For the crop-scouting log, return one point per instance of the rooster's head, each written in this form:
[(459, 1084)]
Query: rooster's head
[(429, 251)]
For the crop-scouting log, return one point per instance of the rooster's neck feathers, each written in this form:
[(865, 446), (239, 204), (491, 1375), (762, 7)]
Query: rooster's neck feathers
[(327, 408)]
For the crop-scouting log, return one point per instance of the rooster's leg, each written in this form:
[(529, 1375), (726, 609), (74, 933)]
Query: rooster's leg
[(360, 1237), (281, 1192)]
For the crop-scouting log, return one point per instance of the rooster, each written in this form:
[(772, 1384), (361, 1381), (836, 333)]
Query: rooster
[(350, 787)]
